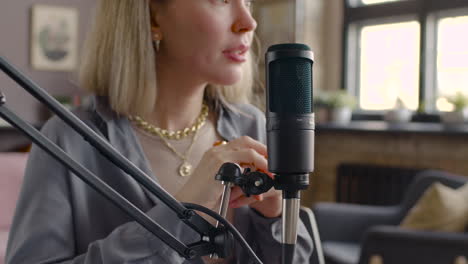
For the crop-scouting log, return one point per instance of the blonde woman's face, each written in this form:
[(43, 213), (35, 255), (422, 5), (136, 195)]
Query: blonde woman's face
[(209, 39)]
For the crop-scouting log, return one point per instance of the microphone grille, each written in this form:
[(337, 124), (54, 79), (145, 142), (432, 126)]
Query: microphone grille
[(290, 81)]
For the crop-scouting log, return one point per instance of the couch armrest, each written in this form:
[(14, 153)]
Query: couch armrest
[(404, 246), (348, 222)]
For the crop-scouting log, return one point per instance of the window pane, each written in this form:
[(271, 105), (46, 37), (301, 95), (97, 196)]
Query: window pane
[(389, 66), (452, 59), (371, 2)]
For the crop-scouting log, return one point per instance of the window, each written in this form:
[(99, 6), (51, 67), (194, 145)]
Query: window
[(409, 51), (389, 63), (371, 2), (452, 58)]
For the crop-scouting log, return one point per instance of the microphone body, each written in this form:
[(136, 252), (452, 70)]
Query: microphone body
[(290, 130)]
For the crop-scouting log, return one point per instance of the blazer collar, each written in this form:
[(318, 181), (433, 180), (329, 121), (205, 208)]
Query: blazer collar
[(122, 136)]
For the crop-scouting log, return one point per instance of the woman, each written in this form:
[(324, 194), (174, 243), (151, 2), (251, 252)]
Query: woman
[(156, 67)]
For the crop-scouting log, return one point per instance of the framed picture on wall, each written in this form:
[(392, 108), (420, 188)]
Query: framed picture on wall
[(54, 38)]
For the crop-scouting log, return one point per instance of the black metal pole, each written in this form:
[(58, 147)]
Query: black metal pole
[(196, 222), (217, 237), (92, 180)]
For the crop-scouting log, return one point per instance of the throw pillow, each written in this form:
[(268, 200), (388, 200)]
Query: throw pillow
[(440, 208)]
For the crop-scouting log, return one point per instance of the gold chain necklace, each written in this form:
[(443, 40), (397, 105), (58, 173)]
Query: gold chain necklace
[(167, 134), (185, 169)]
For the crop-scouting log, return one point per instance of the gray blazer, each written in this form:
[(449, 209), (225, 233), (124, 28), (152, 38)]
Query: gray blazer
[(59, 219)]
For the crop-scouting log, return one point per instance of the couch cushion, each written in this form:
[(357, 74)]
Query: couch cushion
[(3, 244), (341, 252), (12, 167), (440, 208)]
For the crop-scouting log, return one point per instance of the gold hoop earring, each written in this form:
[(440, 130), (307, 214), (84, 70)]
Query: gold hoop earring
[(157, 44), (157, 40)]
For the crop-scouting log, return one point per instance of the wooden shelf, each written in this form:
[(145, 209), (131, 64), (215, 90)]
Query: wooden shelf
[(385, 127)]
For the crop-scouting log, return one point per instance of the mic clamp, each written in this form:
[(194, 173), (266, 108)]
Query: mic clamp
[(251, 182), (256, 182)]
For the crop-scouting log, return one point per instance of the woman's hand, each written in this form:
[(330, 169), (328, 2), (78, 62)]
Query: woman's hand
[(203, 189), (269, 204)]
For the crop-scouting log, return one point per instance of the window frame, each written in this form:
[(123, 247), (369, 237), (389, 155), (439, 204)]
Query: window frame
[(427, 13), (430, 85), (353, 80)]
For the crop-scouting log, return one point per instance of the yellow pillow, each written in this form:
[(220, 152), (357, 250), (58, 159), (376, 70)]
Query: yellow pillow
[(440, 208)]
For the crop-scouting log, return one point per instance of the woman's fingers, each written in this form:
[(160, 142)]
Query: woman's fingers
[(272, 192), (252, 154), (246, 142), (244, 150), (249, 157), (236, 192), (244, 200)]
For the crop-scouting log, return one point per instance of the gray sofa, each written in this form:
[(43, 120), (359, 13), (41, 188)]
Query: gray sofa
[(12, 165), (352, 233)]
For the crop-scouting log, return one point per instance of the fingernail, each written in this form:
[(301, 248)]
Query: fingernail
[(219, 142), (257, 197), (266, 172)]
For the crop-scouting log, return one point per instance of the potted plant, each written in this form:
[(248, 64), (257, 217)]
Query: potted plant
[(399, 114), (334, 106), (342, 105), (459, 114), (322, 106)]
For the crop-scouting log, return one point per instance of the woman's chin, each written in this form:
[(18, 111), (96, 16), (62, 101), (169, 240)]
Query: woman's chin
[(228, 78)]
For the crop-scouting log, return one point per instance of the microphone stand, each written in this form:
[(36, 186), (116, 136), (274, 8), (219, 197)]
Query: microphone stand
[(213, 240), (256, 182), (291, 185)]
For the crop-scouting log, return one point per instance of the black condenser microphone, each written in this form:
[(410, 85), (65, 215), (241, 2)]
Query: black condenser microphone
[(290, 130)]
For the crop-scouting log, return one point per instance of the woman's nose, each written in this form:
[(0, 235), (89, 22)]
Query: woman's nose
[(244, 21)]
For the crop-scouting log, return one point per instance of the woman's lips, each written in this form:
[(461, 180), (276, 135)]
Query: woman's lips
[(237, 54)]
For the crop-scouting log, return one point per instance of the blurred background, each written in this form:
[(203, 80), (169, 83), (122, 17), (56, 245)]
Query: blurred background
[(390, 86)]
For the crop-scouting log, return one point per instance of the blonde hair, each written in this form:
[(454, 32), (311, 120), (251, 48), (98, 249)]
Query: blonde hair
[(119, 61)]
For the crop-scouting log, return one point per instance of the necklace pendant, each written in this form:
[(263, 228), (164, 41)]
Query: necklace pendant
[(185, 169)]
